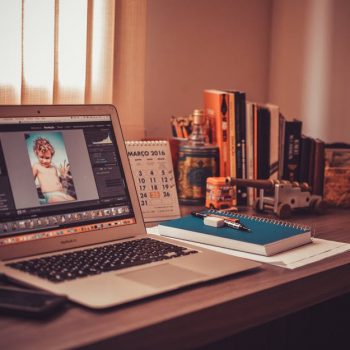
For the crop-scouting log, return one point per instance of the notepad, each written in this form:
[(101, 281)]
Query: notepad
[(267, 236)]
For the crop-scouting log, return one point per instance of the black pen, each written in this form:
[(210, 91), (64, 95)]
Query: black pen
[(228, 223)]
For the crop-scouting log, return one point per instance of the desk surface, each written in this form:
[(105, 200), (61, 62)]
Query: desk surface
[(200, 314)]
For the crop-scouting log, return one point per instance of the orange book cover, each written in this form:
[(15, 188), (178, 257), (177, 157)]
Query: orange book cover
[(216, 104)]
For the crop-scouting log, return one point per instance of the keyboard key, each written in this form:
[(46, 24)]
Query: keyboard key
[(92, 261)]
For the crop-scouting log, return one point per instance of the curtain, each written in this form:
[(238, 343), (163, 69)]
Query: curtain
[(129, 66), (56, 51)]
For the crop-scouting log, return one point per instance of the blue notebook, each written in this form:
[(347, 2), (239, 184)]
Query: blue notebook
[(267, 236)]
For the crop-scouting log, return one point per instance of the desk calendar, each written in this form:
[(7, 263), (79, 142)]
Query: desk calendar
[(154, 178)]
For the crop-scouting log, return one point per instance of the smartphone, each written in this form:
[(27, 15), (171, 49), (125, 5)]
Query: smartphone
[(27, 302)]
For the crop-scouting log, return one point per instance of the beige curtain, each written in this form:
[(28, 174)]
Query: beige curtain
[(56, 51), (75, 51), (129, 66)]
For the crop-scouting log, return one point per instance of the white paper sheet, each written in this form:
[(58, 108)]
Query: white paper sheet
[(317, 250)]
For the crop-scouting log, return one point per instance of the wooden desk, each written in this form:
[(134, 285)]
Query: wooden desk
[(254, 308)]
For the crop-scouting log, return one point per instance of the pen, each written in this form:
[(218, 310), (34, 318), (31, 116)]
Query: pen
[(227, 222)]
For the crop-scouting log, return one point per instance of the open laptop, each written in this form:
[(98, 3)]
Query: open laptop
[(70, 220)]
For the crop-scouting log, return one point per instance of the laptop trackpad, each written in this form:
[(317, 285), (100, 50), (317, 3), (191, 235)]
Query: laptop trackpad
[(163, 275)]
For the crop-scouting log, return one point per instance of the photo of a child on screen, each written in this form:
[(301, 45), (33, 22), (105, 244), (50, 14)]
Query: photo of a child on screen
[(53, 178)]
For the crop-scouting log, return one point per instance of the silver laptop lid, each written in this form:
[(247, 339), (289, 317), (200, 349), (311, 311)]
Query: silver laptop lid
[(65, 179)]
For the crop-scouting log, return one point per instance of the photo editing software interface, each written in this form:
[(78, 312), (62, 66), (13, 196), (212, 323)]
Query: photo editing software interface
[(60, 176)]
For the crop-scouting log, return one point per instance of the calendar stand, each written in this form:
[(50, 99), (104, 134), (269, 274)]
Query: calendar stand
[(153, 173)]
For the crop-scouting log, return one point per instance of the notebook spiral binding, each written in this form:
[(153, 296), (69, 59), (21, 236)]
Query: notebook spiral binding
[(146, 143), (262, 219)]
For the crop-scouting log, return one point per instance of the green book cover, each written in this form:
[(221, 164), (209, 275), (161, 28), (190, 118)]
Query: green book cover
[(267, 237)]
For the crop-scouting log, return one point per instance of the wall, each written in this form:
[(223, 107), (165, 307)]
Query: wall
[(192, 45), (294, 53), (309, 74)]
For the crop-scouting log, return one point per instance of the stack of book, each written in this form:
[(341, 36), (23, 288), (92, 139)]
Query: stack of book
[(257, 142), (302, 158), (226, 112)]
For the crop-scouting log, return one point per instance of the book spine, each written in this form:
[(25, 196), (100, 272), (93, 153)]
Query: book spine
[(255, 147), (232, 135), (232, 142), (211, 106), (311, 162), (216, 110), (281, 144), (225, 170), (291, 150), (274, 140), (319, 162), (263, 143), (240, 145), (250, 150), (305, 149), (244, 146)]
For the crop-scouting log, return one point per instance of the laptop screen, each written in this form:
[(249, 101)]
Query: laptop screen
[(60, 176)]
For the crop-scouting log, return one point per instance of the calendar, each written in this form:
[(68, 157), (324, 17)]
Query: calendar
[(153, 172)]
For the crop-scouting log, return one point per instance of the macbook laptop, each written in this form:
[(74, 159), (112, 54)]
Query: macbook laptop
[(70, 220)]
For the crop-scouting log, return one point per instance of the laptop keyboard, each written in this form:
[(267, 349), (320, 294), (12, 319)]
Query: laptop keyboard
[(92, 261)]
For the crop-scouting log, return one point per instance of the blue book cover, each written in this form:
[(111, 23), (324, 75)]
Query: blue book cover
[(267, 236)]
